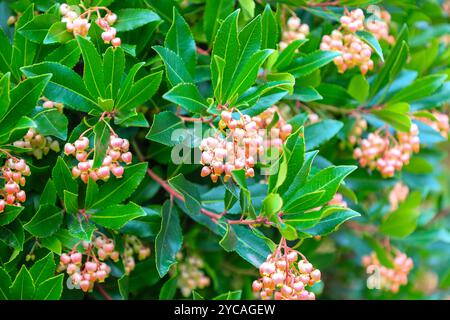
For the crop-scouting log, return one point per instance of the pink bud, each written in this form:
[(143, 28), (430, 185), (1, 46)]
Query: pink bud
[(91, 266), (206, 171), (257, 286), (69, 148), (118, 171), (127, 157), (108, 247), (107, 36), (316, 275), (76, 257), (116, 42), (84, 285), (48, 104), (64, 258), (2, 205), (21, 196)]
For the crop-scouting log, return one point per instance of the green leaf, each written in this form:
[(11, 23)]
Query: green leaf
[(81, 228), (43, 269), (169, 289), (249, 41), (269, 29), (141, 92), (18, 131), (169, 239), (188, 97), (50, 289), (395, 116), (23, 287), (189, 192), (5, 283), (114, 67), (226, 47), (308, 64), (93, 68), (305, 220), (52, 123), (370, 39), (423, 87), (23, 100), (12, 235), (133, 18), (70, 202), (67, 54), (45, 222), (123, 284), (301, 177), (230, 295), (176, 70), (359, 88), (327, 179), (117, 190), (65, 86), (58, 33), (116, 216), (287, 55), (4, 94), (229, 241), (5, 53), (305, 202), (402, 222), (52, 243), (393, 64), (9, 214), (127, 84), (179, 39), (295, 154), (318, 133), (332, 222), (36, 29), (163, 126), (215, 12), (101, 142), (272, 205), (62, 177)]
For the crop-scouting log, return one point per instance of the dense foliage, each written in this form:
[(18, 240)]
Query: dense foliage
[(201, 149)]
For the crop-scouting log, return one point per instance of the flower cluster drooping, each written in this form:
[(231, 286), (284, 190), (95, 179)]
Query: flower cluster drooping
[(134, 246), (79, 24), (284, 278), (244, 143), (441, 123), (388, 155), (40, 145), (295, 31), (85, 271), (397, 195), (389, 279), (379, 26), (357, 130), (191, 276), (116, 154), (355, 52), (13, 174)]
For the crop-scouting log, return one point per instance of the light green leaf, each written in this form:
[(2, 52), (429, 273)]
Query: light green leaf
[(133, 18), (188, 97), (45, 222), (23, 287), (116, 216)]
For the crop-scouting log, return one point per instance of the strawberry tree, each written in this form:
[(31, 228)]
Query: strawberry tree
[(223, 149)]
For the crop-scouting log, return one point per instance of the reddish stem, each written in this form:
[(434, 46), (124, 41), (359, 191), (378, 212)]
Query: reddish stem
[(103, 292)]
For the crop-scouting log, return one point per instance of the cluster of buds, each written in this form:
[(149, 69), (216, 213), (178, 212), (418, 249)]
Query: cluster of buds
[(377, 152), (116, 154), (191, 276), (40, 145), (85, 271), (79, 24), (338, 201), (284, 278), (379, 26), (244, 143), (313, 118), (134, 246), (355, 52), (295, 31), (48, 104), (389, 279), (13, 173), (357, 131), (440, 124), (398, 194)]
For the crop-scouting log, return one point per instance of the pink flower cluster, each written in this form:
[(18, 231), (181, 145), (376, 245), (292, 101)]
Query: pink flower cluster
[(398, 194), (13, 173), (284, 278), (79, 23), (355, 52), (40, 145), (295, 31), (390, 279), (357, 131), (116, 154), (242, 145), (134, 246), (191, 275), (84, 274), (440, 124), (380, 153), (379, 27)]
